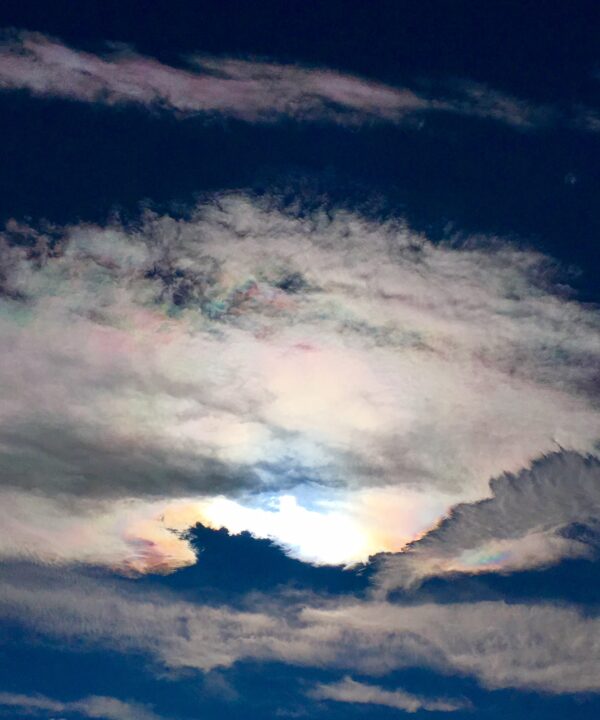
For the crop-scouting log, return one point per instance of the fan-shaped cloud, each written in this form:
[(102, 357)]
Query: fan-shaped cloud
[(518, 527)]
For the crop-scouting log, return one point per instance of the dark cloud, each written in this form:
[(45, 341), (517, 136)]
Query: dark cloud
[(535, 518), (57, 461)]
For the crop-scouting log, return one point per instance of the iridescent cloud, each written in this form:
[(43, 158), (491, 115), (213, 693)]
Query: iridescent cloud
[(334, 382), (526, 523), (249, 89)]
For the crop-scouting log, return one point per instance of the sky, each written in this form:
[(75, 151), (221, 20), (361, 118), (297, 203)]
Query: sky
[(300, 359)]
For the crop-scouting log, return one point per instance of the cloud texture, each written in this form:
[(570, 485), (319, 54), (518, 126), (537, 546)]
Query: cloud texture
[(257, 368), (526, 646)]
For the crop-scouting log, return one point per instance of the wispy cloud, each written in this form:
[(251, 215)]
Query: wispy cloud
[(351, 691), (251, 90), (529, 646), (93, 706), (257, 368)]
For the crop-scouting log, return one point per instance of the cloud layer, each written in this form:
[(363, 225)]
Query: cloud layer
[(526, 646), (257, 368), (325, 378), (249, 90)]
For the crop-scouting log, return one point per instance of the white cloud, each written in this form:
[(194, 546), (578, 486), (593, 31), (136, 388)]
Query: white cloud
[(351, 691), (539, 647), (93, 706)]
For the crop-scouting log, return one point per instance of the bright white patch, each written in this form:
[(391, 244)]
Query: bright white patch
[(341, 530)]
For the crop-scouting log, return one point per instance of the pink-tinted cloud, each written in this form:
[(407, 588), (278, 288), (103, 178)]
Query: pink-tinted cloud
[(250, 90), (278, 373), (247, 89)]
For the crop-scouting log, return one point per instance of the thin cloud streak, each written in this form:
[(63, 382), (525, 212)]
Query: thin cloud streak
[(351, 691), (250, 90), (93, 706)]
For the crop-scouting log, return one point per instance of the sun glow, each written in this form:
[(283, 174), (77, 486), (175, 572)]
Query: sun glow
[(340, 530)]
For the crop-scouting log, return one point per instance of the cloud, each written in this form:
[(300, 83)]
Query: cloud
[(539, 647), (93, 706), (130, 536), (522, 525), (470, 98), (258, 368), (351, 691), (250, 90)]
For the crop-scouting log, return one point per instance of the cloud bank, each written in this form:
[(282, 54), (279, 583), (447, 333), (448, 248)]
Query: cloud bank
[(255, 368), (250, 90)]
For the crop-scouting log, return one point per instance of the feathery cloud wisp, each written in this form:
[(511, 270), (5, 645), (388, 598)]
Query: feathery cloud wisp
[(94, 706), (251, 90), (351, 691)]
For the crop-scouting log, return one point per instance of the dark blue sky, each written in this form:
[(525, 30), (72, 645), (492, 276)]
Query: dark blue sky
[(453, 175), (490, 311)]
